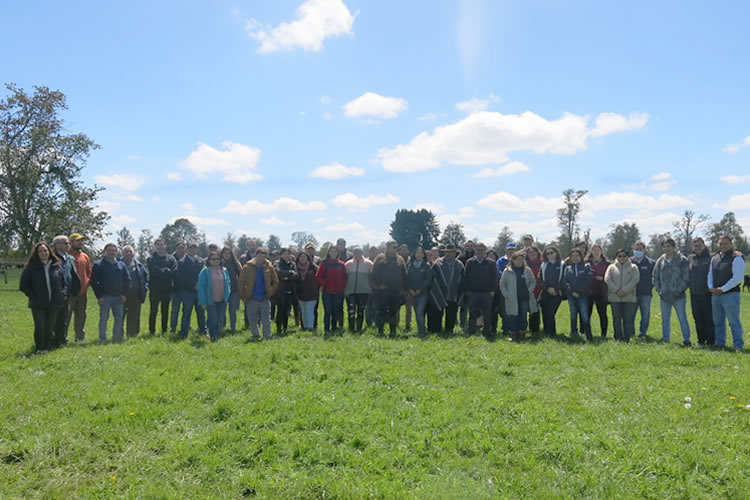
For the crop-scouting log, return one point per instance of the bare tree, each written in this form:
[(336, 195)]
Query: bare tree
[(685, 228)]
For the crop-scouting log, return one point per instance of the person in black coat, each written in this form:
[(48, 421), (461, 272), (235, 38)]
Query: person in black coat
[(577, 278), (42, 281), (161, 267)]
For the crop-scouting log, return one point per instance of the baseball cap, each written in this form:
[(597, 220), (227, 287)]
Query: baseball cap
[(510, 245), (76, 237)]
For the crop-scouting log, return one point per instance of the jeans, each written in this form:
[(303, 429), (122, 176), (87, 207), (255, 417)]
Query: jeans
[(333, 307), (259, 311), (308, 313), (703, 317), (579, 305), (479, 302), (550, 304), (216, 316), (419, 303), (355, 308), (726, 307), (77, 307), (643, 304), (517, 323), (44, 324), (666, 317), (188, 299), (623, 316), (118, 311), (234, 304)]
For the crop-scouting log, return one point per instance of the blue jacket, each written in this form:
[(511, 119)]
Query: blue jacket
[(109, 279), (138, 280), (205, 290), (646, 268), (70, 275), (577, 278)]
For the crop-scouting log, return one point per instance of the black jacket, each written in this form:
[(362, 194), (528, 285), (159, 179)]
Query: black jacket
[(34, 285), (577, 278), (287, 273), (480, 277), (138, 280), (186, 275), (160, 270)]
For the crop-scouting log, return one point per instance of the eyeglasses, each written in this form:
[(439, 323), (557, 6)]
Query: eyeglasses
[(549, 253), (622, 256)]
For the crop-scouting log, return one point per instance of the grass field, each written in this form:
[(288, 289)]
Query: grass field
[(358, 416)]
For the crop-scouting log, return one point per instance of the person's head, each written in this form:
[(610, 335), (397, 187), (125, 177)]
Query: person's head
[(575, 256), (310, 250), (403, 250), (596, 251), (699, 246), (516, 260), (533, 254), (582, 246), (192, 249), (128, 253), (180, 249), (450, 252), (61, 243), (510, 249), (492, 255), (391, 249), (286, 255), (434, 254), (302, 259), (76, 241), (110, 251), (213, 260), (668, 247), (551, 254), (469, 247), (160, 246), (639, 245), (213, 247), (40, 254), (226, 253), (725, 243), (480, 250), (261, 254), (419, 253), (373, 253), (250, 245), (341, 244), (528, 240), (357, 252), (333, 252)]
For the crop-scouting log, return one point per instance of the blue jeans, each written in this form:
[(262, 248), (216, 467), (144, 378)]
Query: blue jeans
[(518, 323), (578, 306), (188, 299), (118, 311), (643, 303), (726, 307), (216, 316), (333, 311), (666, 317), (234, 304), (420, 303), (308, 313)]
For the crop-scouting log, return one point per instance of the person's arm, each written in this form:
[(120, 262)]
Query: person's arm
[(95, 281), (685, 274), (710, 280), (738, 269), (609, 280), (320, 276), (25, 284), (202, 297), (631, 285), (656, 276)]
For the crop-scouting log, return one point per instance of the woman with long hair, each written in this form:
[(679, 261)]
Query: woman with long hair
[(517, 286), (599, 264), (214, 288), (230, 262), (533, 258), (307, 290), (43, 283), (331, 277), (551, 274), (577, 281)]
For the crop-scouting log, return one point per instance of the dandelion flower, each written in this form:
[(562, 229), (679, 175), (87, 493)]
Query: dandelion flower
[(732, 397), (688, 399), (132, 413), (688, 406)]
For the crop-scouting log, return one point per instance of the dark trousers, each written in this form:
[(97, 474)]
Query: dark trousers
[(534, 322), (479, 303), (283, 310), (44, 326), (60, 335), (703, 317), (623, 316), (600, 300), (355, 308), (157, 299), (388, 303), (498, 309), (451, 315), (333, 304), (550, 304), (132, 316), (434, 318)]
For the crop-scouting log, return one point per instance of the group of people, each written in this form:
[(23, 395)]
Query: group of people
[(439, 288)]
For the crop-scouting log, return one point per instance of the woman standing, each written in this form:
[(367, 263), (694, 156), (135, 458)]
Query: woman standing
[(497, 305), (214, 288), (599, 264), (622, 279), (517, 286), (419, 278), (331, 277), (234, 268), (577, 281), (287, 272), (43, 283), (307, 290), (551, 274), (534, 262)]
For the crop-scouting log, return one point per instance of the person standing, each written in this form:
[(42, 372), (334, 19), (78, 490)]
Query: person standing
[(553, 288), (645, 284), (501, 264), (200, 313), (43, 284), (448, 274), (60, 245), (419, 279), (389, 285), (331, 277), (517, 286), (184, 283), (621, 278), (437, 302), (533, 258), (213, 290), (466, 253), (258, 283), (480, 284), (136, 294), (700, 297), (287, 273), (408, 300), (577, 281), (724, 279), (307, 290), (77, 303), (161, 267), (671, 277), (357, 289), (110, 281), (598, 264), (232, 265)]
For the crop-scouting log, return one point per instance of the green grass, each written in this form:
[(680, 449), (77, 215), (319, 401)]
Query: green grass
[(360, 416)]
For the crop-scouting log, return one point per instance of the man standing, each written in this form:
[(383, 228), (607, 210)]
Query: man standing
[(643, 292), (72, 286), (528, 241), (724, 278), (184, 292), (344, 256), (480, 283), (77, 302), (136, 294), (357, 289), (311, 253), (110, 281), (258, 283), (671, 277), (161, 267), (200, 313), (449, 276), (700, 298), (388, 281)]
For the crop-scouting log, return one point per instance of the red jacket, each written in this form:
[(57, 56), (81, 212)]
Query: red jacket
[(331, 276)]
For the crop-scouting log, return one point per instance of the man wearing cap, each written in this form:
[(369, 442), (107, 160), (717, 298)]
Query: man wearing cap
[(480, 283), (72, 284), (77, 302)]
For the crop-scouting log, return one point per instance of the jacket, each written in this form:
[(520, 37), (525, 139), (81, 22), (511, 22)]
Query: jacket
[(510, 292), (287, 273), (70, 275), (671, 278), (623, 277), (646, 268), (598, 287), (577, 278), (331, 276), (358, 276), (205, 288), (419, 279), (307, 286), (83, 269), (247, 279), (698, 266), (34, 285), (448, 274), (480, 277), (185, 276), (138, 280), (388, 273), (160, 270), (551, 276), (110, 279)]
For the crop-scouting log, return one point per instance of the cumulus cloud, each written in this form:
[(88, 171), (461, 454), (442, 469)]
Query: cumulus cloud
[(514, 167), (630, 200), (125, 181), (188, 207), (336, 171), (507, 202), (354, 202), (201, 221), (734, 148), (123, 220), (735, 179), (283, 203), (661, 182), (235, 163), (174, 176), (487, 137), (609, 123), (374, 105), (275, 221), (739, 202), (473, 105), (316, 20), (346, 227)]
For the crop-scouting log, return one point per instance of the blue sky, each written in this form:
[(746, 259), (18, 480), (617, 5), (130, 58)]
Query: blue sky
[(328, 115)]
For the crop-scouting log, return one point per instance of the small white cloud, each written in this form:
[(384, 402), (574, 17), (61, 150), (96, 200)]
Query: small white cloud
[(435, 208), (201, 221), (319, 220), (466, 212), (125, 181), (630, 200), (327, 116), (507, 202), (731, 149), (660, 182), (663, 176), (346, 227), (174, 176), (235, 164), (354, 202), (275, 221), (609, 123), (316, 21), (734, 148), (156, 199), (123, 220), (739, 202), (188, 207), (514, 167), (325, 100), (735, 179), (370, 104), (280, 204), (473, 105), (337, 171)]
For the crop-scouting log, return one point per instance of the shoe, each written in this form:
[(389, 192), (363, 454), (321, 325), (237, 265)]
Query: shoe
[(686, 343)]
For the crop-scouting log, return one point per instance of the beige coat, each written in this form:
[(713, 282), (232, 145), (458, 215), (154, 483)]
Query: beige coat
[(623, 277), (510, 294)]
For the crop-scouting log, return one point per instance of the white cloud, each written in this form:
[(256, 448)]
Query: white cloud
[(346, 227), (375, 105), (125, 181), (661, 182), (608, 123), (735, 179), (337, 171), (174, 176), (319, 220), (630, 200), (284, 203), (466, 212), (235, 163), (487, 137), (435, 208), (514, 167), (473, 105), (275, 221), (734, 148), (123, 220), (324, 100), (201, 221), (543, 229), (427, 117), (316, 20), (327, 116), (188, 207), (507, 202), (354, 202), (739, 202)]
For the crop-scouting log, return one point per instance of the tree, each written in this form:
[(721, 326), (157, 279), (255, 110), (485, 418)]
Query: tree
[(729, 226), (567, 218), (453, 234), (302, 238), (41, 193), (145, 244), (274, 243), (685, 228), (623, 235), (124, 238), (653, 249), (504, 237), (229, 241), (181, 230), (415, 228)]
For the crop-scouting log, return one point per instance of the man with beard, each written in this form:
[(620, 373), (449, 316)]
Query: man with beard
[(724, 278)]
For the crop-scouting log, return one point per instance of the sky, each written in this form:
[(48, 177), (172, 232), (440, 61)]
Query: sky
[(327, 116)]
